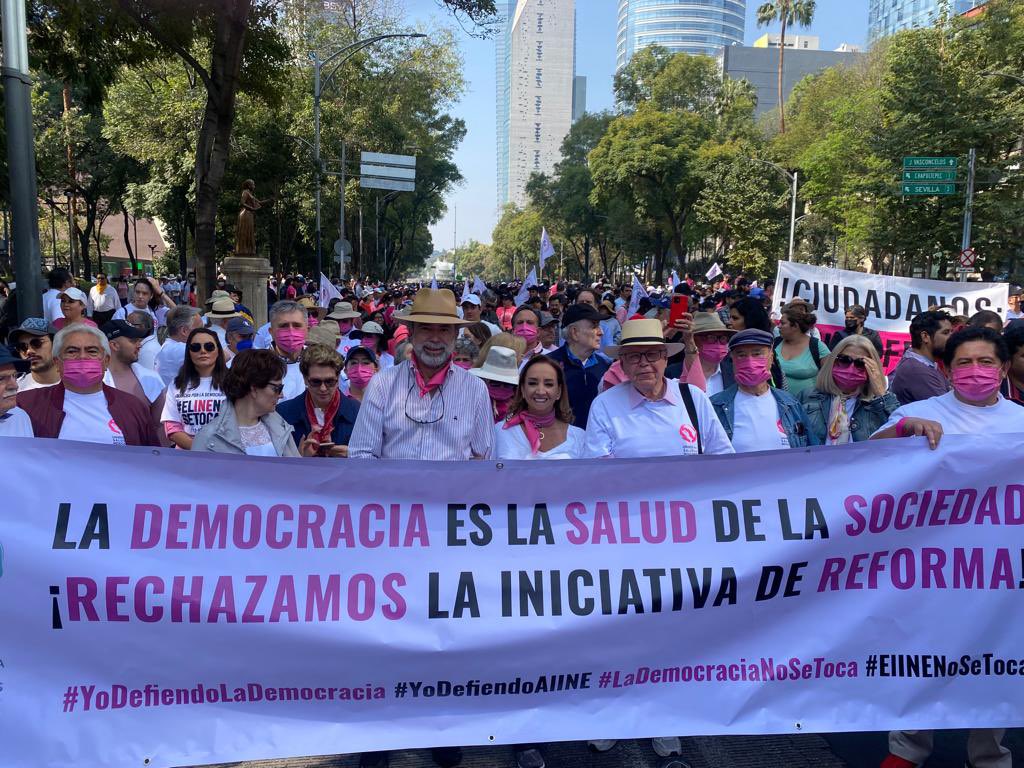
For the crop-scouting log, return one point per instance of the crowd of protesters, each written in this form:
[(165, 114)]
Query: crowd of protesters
[(549, 372)]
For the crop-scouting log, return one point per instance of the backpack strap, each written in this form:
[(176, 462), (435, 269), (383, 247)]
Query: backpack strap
[(691, 411), (813, 347)]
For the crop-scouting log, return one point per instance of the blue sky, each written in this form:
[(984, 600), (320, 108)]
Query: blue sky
[(471, 207)]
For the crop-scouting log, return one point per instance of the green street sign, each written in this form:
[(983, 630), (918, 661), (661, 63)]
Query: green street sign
[(929, 162), (929, 175), (917, 188)]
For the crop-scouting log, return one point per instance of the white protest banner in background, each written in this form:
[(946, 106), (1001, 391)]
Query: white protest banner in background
[(890, 302), (207, 608)]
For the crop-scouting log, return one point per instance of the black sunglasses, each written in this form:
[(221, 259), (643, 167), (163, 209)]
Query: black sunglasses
[(36, 343), (206, 346), (846, 360)]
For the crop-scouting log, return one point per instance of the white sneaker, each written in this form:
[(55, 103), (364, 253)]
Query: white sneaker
[(602, 745), (667, 746)]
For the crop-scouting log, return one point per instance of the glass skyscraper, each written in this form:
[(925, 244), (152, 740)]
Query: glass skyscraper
[(886, 17), (681, 26)]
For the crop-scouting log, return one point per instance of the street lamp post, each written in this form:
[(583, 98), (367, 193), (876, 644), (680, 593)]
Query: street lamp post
[(320, 82), (793, 179)]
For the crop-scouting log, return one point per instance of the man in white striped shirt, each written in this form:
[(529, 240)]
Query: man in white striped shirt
[(426, 407)]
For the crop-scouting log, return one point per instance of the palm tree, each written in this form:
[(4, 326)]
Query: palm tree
[(788, 12)]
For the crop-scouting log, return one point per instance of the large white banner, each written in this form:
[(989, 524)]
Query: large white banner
[(164, 608), (891, 302)]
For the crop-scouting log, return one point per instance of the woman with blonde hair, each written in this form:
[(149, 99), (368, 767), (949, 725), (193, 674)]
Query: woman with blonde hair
[(850, 399), (517, 343)]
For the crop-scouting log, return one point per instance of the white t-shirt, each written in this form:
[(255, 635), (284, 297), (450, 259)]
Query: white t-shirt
[(626, 425), (294, 384), (148, 351), (959, 418), (26, 382), (51, 305), (87, 419), (756, 424), (105, 300), (262, 339), (169, 360), (194, 408), (152, 385), (16, 423), (511, 443)]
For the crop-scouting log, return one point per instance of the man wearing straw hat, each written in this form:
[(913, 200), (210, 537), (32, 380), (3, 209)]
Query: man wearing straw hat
[(426, 407), (651, 415)]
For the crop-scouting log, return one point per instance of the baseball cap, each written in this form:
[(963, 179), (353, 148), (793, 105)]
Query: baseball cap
[(546, 319), (120, 329), (576, 312), (470, 298), (357, 350), (6, 358), (240, 325), (33, 326), (76, 294)]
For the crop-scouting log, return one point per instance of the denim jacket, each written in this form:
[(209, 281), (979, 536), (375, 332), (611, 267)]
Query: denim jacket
[(791, 413), (867, 417)]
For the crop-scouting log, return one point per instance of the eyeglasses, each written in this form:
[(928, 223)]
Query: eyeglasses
[(36, 344), (322, 383), (278, 388), (206, 346), (419, 404), (847, 361), (720, 339), (651, 357)]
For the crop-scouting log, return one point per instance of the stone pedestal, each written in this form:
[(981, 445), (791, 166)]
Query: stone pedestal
[(250, 275)]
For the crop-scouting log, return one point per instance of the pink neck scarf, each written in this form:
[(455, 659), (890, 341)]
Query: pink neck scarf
[(532, 426)]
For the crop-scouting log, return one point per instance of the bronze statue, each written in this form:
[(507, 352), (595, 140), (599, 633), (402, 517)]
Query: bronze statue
[(245, 234)]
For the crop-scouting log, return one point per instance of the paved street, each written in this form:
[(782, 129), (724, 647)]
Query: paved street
[(857, 750)]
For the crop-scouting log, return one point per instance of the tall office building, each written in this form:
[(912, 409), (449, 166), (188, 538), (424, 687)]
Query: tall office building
[(536, 90), (886, 17), (681, 26)]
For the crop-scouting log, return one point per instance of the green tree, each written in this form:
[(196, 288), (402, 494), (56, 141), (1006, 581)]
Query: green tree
[(516, 242), (633, 83), (788, 13)]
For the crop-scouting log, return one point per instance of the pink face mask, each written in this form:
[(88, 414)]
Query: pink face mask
[(370, 342), (714, 351), (500, 393), (752, 371), (344, 326), (359, 375), (527, 332), (290, 340), (464, 364), (848, 377), (314, 321), (976, 383), (83, 373)]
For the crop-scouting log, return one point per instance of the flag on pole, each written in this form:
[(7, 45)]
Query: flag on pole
[(639, 292), (524, 292), (327, 291), (547, 250), (433, 283), (465, 290), (675, 279), (478, 286), (714, 272)]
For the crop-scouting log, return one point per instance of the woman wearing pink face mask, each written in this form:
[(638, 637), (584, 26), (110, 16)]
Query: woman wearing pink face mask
[(371, 337), (977, 360), (360, 366), (500, 373), (850, 399), (526, 325), (711, 338)]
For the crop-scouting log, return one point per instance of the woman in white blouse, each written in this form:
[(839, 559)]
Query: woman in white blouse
[(539, 422)]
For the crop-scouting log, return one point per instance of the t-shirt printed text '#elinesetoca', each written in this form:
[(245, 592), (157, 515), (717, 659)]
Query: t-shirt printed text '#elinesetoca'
[(195, 407)]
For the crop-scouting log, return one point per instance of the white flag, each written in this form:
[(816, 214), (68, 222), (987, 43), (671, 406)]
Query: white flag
[(327, 291), (478, 286), (639, 292), (675, 279), (524, 292), (433, 284), (547, 250), (714, 272), (465, 290)]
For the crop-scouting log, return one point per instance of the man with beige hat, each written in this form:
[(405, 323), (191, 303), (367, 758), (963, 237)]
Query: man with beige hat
[(221, 311), (345, 316), (425, 407)]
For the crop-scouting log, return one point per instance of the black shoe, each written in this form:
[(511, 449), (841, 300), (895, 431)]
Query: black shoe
[(374, 759), (529, 758), (446, 757)]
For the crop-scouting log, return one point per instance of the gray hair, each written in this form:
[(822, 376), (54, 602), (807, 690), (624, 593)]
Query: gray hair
[(285, 307), (579, 325), (400, 350), (61, 338), (143, 319), (180, 319), (825, 382), (466, 346)]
